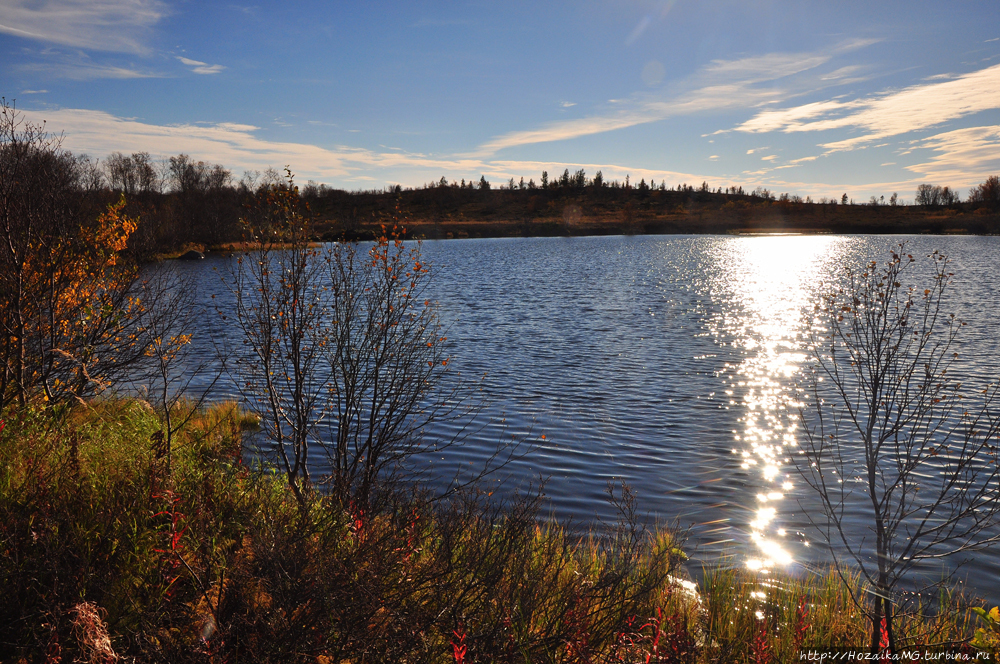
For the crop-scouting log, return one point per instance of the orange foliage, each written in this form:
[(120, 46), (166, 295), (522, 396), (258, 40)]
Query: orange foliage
[(74, 307)]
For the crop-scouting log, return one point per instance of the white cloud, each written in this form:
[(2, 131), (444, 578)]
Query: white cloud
[(33, 92), (107, 25), (558, 131), (707, 99), (843, 72), (237, 147), (234, 145), (82, 69), (788, 119), (762, 68), (890, 114), (201, 67), (965, 157), (720, 85)]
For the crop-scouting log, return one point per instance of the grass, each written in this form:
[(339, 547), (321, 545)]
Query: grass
[(108, 554)]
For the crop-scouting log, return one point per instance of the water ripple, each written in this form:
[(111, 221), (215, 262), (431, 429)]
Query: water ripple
[(666, 362)]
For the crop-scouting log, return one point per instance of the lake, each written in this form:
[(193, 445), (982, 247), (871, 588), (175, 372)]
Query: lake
[(667, 362)]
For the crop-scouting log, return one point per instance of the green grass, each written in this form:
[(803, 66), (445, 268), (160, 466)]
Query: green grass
[(109, 553)]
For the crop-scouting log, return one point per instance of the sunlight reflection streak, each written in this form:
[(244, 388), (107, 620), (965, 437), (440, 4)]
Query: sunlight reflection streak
[(770, 279)]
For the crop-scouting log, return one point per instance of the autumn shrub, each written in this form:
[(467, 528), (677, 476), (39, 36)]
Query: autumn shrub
[(69, 308), (110, 553), (752, 617), (211, 557), (89, 513)]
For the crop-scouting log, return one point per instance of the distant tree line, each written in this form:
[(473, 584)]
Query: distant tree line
[(987, 194), (182, 201)]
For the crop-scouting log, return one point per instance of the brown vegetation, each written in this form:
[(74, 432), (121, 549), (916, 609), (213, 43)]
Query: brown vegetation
[(109, 555)]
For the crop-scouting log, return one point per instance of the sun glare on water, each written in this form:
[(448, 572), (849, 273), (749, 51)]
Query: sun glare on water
[(771, 280)]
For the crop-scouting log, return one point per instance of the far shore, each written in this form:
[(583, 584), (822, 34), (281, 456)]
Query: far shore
[(771, 218)]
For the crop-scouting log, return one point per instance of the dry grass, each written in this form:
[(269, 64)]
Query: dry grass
[(108, 554)]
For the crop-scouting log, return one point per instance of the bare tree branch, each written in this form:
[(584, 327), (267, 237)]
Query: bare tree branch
[(892, 435)]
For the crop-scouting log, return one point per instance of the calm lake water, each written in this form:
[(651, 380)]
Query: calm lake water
[(669, 362)]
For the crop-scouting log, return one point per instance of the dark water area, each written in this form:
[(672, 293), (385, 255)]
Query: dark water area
[(667, 362)]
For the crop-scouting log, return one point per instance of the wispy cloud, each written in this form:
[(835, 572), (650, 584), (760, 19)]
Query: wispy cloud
[(558, 131), (108, 25), (637, 31), (636, 112), (965, 157), (238, 147), (760, 69), (82, 69), (787, 119), (201, 67), (249, 10), (719, 86), (234, 145), (843, 72), (33, 92), (891, 114)]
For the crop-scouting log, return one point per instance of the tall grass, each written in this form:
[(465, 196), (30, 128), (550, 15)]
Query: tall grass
[(108, 553)]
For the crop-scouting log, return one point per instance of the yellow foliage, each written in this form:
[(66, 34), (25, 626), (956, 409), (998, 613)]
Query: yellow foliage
[(71, 302)]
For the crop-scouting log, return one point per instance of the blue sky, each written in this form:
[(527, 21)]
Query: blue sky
[(813, 98)]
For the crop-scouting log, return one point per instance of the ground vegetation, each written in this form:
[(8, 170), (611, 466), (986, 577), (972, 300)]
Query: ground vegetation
[(109, 554)]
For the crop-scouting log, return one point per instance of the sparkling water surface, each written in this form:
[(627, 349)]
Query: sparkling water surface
[(667, 362)]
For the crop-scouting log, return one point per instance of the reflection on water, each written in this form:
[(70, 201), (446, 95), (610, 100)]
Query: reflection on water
[(772, 282), (666, 362)]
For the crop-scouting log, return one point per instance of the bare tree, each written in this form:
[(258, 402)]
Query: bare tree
[(91, 175), (892, 438), (384, 358), (344, 352), (987, 193), (278, 304), (933, 196)]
